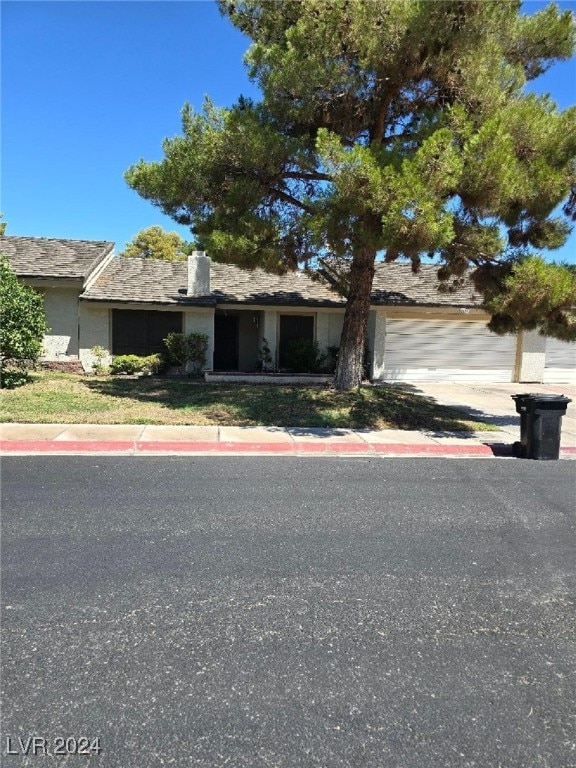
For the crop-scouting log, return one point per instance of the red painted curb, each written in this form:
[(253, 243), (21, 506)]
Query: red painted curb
[(179, 446), (431, 448), (316, 447), (320, 447)]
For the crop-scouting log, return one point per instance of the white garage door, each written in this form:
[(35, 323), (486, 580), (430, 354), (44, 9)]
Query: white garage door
[(560, 363), (446, 350)]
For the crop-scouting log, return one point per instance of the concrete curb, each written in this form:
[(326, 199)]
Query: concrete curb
[(312, 448)]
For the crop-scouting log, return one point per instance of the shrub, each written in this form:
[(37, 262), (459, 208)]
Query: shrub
[(155, 364), (151, 365), (99, 353), (176, 346), (303, 356), (197, 345), (128, 364), (22, 326), (266, 363), (331, 359), (190, 348)]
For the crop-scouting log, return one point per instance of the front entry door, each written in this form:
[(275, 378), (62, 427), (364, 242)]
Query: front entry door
[(226, 342)]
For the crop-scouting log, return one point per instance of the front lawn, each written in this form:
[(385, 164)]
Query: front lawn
[(68, 399)]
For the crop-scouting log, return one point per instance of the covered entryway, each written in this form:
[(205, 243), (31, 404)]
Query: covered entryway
[(451, 350), (226, 342), (142, 332), (560, 365), (293, 328), (237, 340)]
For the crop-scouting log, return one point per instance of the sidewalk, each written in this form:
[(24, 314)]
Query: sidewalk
[(139, 440)]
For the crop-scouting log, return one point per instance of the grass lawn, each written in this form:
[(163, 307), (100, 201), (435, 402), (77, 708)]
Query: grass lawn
[(56, 398)]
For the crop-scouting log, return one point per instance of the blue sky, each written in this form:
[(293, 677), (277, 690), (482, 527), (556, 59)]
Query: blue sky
[(90, 87)]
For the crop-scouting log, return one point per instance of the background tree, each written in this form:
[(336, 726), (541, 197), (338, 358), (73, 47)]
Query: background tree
[(22, 326), (390, 129), (155, 243), (3, 225), (535, 295)]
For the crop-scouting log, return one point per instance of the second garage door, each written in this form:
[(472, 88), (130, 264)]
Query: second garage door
[(450, 350), (560, 362)]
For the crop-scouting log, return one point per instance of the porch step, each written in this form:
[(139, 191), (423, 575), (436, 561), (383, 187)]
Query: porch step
[(212, 377)]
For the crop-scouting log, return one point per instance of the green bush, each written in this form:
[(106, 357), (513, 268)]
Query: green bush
[(155, 364), (128, 364), (197, 345), (12, 377), (99, 353), (265, 359), (177, 350), (151, 365), (331, 359), (303, 356), (22, 326), (190, 348)]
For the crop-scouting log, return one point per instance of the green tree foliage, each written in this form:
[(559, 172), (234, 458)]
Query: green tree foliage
[(22, 325), (536, 294), (155, 243), (2, 225), (392, 128)]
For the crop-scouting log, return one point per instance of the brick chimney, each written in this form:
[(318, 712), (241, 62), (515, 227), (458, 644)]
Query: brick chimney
[(198, 274)]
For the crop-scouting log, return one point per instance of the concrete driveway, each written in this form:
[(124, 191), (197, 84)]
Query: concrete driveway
[(493, 402)]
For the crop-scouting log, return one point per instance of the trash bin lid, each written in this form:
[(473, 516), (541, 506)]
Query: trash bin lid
[(539, 403), (539, 396), (546, 396)]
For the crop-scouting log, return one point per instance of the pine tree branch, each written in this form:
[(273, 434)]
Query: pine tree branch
[(307, 175)]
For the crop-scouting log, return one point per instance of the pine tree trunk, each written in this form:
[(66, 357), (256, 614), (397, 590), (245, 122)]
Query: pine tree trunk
[(350, 366)]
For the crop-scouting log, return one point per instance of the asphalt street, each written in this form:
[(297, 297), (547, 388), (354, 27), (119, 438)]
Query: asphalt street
[(289, 612)]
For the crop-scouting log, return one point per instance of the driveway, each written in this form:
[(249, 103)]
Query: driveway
[(493, 402)]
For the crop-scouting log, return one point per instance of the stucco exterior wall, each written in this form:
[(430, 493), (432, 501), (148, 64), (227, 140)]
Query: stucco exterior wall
[(329, 329), (95, 322), (531, 356), (268, 331), (377, 343), (61, 309), (202, 321)]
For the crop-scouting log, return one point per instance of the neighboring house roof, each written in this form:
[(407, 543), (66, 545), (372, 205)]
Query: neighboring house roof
[(43, 257), (396, 284), (164, 282)]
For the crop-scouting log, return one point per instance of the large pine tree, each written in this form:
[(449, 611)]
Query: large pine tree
[(396, 128)]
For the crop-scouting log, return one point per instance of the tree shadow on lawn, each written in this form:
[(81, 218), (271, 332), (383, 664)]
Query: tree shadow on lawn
[(290, 406)]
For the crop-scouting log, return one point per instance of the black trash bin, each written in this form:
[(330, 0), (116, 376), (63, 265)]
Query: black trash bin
[(521, 401), (540, 424)]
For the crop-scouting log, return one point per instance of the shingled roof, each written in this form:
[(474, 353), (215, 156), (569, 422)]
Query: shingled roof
[(150, 281), (232, 285), (44, 257), (396, 284), (153, 281), (144, 281)]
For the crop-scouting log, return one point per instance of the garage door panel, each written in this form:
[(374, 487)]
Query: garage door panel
[(560, 363), (442, 349)]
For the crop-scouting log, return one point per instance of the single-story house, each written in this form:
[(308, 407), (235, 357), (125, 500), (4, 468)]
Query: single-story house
[(128, 306)]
